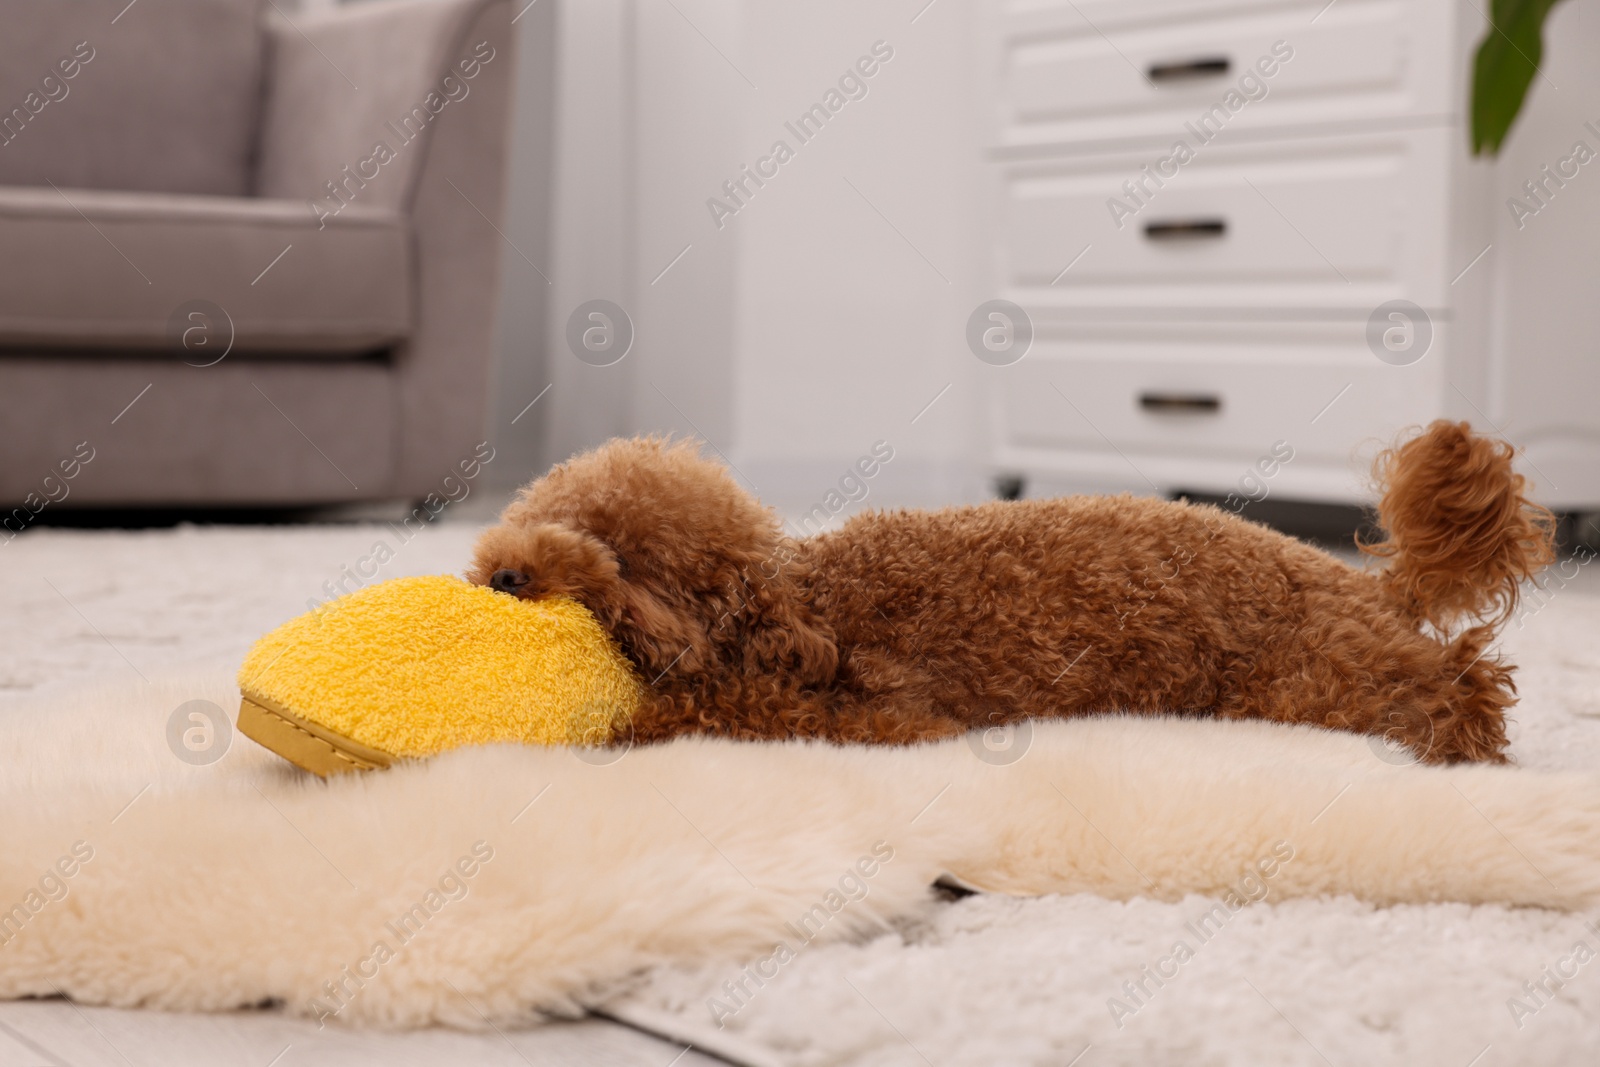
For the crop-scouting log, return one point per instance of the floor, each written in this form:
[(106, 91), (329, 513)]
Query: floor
[(87, 602), (59, 1034), (125, 612)]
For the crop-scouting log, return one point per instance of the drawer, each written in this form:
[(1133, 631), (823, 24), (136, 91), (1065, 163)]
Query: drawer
[(1318, 223), (1325, 395), (1118, 72)]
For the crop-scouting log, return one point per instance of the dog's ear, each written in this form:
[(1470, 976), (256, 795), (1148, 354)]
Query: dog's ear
[(781, 634), (660, 638), (797, 644)]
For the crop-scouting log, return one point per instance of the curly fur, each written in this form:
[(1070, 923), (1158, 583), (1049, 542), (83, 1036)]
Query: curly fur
[(1461, 536), (911, 625)]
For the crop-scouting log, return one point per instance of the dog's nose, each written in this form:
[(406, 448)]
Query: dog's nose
[(506, 580)]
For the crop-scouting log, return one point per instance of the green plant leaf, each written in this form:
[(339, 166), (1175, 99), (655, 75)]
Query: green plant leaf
[(1507, 60)]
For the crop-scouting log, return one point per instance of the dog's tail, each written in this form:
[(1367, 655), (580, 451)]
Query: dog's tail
[(1460, 536)]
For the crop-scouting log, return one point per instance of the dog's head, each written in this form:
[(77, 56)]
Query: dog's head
[(688, 572)]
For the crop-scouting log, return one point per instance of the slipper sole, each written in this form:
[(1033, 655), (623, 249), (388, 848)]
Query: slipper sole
[(305, 744)]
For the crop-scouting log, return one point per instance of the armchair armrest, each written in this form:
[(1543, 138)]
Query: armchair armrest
[(404, 104)]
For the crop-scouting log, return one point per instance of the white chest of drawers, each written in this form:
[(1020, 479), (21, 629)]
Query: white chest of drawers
[(1201, 205)]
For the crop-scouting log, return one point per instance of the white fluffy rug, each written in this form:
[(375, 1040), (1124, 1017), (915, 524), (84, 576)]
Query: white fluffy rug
[(989, 979)]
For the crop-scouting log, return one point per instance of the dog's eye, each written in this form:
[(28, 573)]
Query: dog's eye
[(622, 564)]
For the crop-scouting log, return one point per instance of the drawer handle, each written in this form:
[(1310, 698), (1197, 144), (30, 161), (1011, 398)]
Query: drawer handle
[(1181, 403), (1186, 69), (1185, 229)]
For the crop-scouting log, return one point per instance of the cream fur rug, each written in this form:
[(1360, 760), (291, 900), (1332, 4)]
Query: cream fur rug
[(660, 887)]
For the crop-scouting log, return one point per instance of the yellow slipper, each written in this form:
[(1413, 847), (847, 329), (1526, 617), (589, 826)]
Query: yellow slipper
[(414, 666)]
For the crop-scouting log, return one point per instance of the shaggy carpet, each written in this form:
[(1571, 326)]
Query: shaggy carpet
[(1294, 977)]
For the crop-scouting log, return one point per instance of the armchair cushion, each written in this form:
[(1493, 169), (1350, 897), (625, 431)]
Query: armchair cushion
[(157, 95), (87, 269)]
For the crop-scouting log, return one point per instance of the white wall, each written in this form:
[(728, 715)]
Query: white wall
[(642, 119), (521, 370), (1547, 273), (829, 311), (861, 258), (810, 326), (806, 328)]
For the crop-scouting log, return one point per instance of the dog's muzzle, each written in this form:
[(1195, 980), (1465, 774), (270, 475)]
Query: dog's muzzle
[(506, 580)]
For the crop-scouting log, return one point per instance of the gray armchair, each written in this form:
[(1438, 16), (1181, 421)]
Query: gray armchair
[(246, 262)]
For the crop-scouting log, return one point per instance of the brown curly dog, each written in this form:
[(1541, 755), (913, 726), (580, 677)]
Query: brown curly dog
[(910, 625)]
